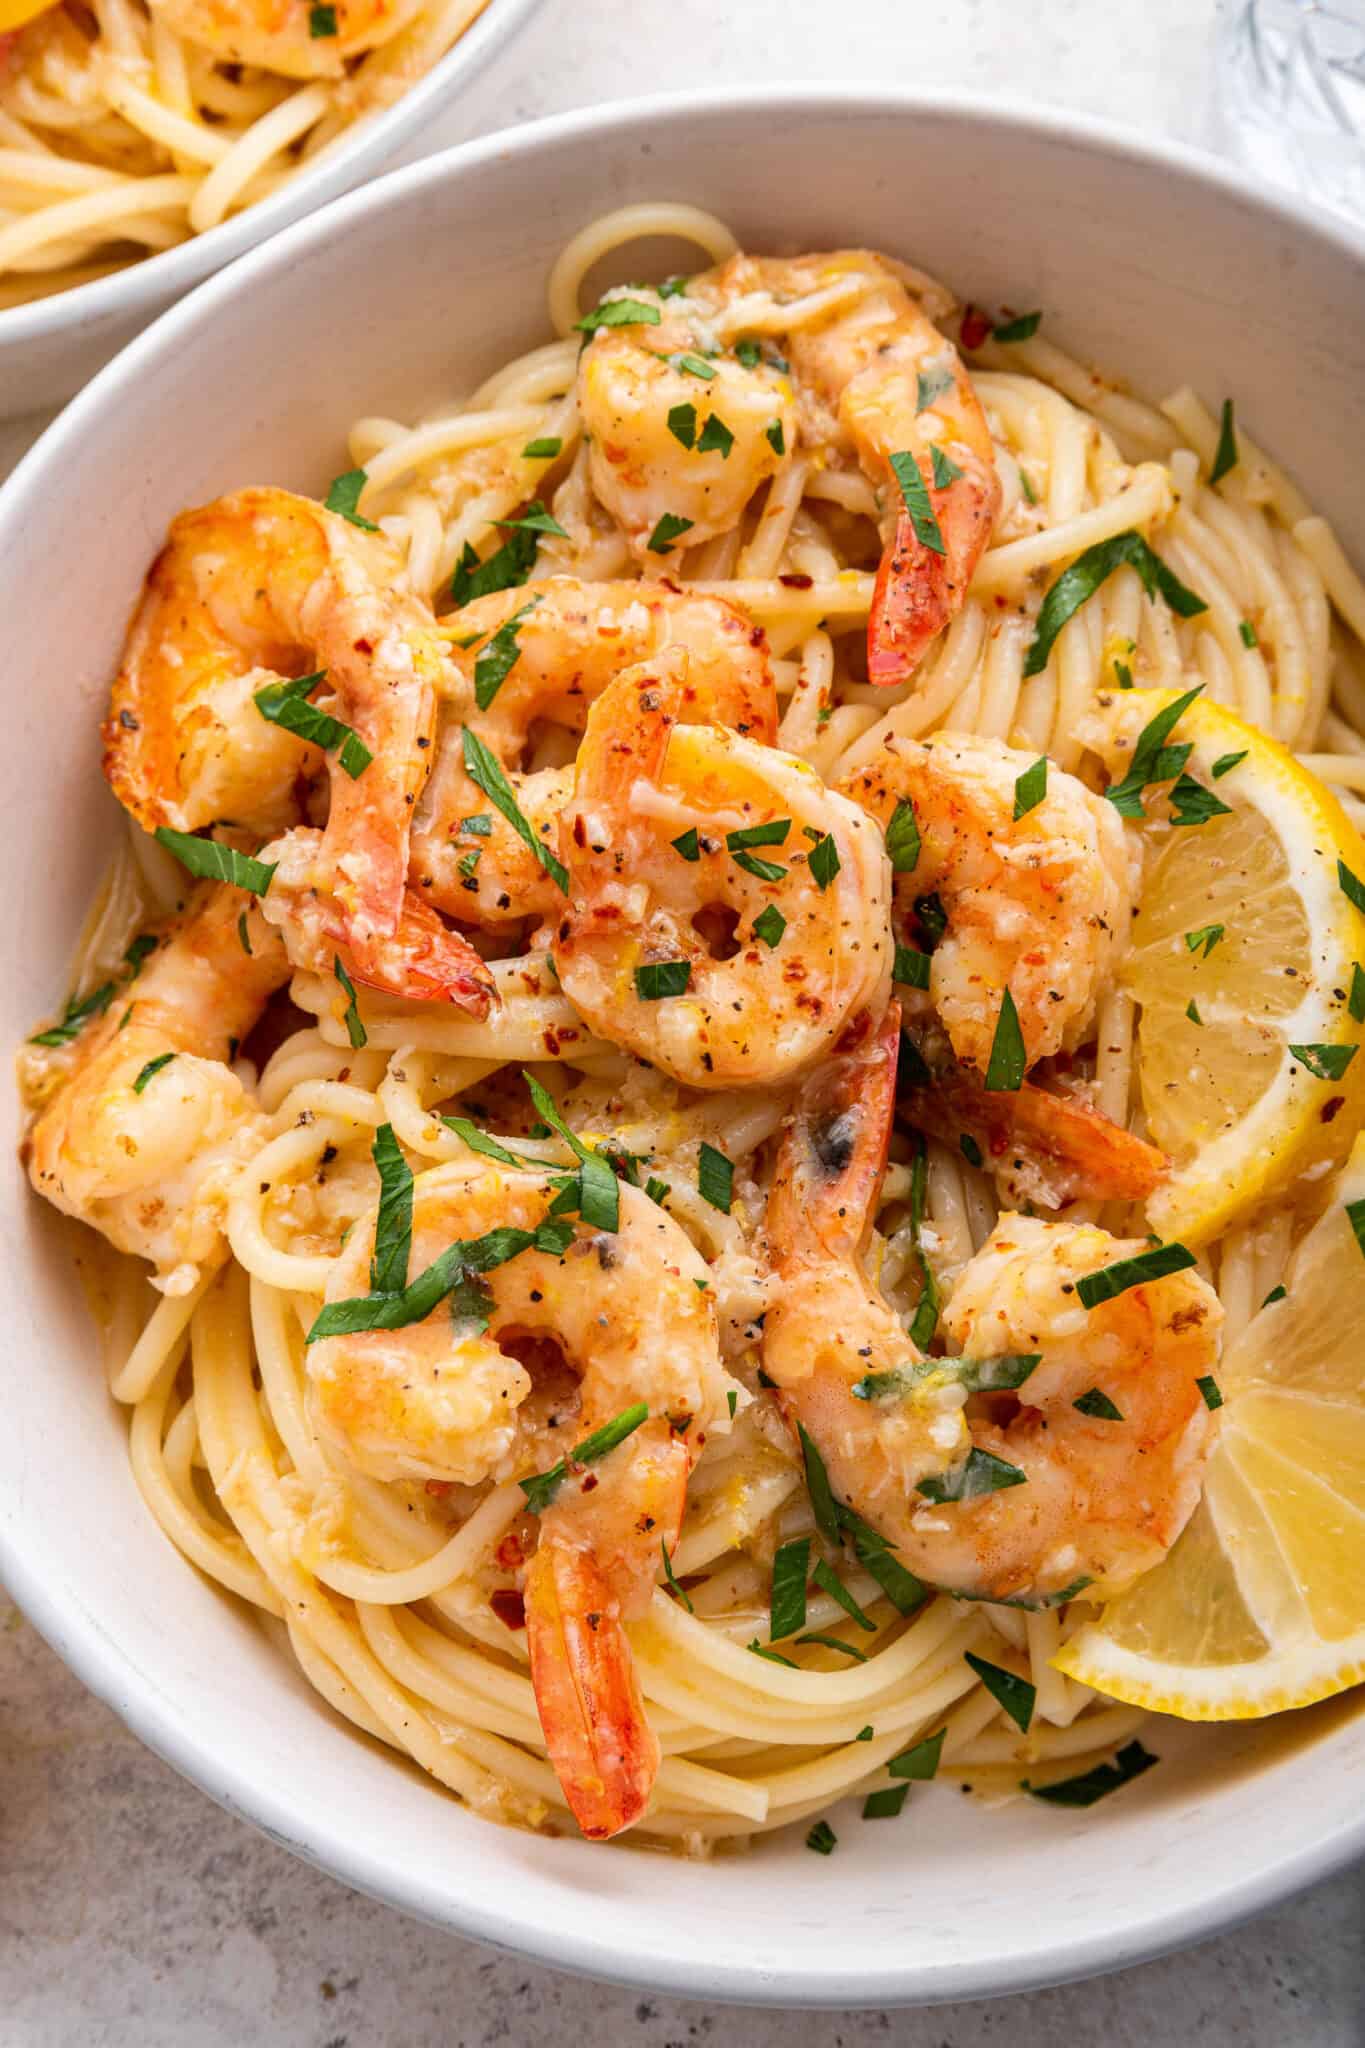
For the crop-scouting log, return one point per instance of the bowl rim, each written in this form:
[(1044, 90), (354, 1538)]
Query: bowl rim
[(143, 286), (82, 1639)]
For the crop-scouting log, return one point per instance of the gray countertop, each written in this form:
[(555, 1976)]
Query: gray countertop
[(132, 1911)]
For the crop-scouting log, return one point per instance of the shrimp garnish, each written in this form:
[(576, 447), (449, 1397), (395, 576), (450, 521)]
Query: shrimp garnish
[(423, 961), (280, 35), (151, 1166), (1080, 1496), (828, 1329), (572, 1341), (571, 640), (255, 587), (877, 380), (1038, 905), (727, 913), (647, 408)]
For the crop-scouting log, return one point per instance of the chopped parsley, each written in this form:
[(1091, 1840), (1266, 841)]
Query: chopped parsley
[(669, 529), (1030, 788), (393, 1223), (970, 1150), (787, 1607), (769, 925), (210, 859), (1355, 1002), (1276, 1294), (688, 844), (243, 935), (1192, 804), (1226, 454), (1156, 1264), (1192, 1011), (1326, 1062), (482, 768), (822, 1838), (1022, 329), (498, 656), (1248, 633), (1088, 572), (76, 1014), (541, 1488), (507, 568), (671, 1580), (921, 1762), (917, 502), (1014, 1694), (945, 470), (383, 1310), (286, 704), (824, 861), (931, 384), (544, 448), (682, 424), (163, 1059), (715, 438), (886, 1802), (910, 967), (924, 1322), (715, 1178), (830, 1583), (1207, 936), (322, 20), (903, 837), (775, 437), (1097, 1783), (659, 979), (599, 1195), (692, 365), (344, 491), (623, 312), (1005, 1068), (1226, 761), (1153, 760), (355, 1029), (980, 1473), (1211, 1391), (1099, 1405)]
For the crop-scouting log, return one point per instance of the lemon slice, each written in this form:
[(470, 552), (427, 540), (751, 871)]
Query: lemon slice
[(1261, 1604), (14, 13), (1244, 946)]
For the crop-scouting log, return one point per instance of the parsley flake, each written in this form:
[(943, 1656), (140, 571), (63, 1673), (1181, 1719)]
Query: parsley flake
[(344, 491)]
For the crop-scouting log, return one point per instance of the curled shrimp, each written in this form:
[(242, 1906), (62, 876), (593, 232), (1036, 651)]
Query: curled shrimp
[(570, 639), (282, 35), (679, 440), (1037, 904), (562, 1344), (259, 586), (878, 381), (145, 1134), (828, 1330), (727, 914), (1094, 1494)]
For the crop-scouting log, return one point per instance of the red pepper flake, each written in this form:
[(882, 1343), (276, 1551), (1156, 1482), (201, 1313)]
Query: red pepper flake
[(797, 582), (977, 327), (509, 1606)]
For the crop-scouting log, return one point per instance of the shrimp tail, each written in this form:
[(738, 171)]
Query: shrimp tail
[(924, 575), (1077, 1153), (425, 962), (834, 1152), (604, 1752)]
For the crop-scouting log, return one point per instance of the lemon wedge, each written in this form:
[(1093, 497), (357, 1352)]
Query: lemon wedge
[(1261, 1604), (1244, 963), (14, 13)]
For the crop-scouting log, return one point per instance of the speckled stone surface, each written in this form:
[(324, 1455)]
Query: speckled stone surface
[(133, 1913)]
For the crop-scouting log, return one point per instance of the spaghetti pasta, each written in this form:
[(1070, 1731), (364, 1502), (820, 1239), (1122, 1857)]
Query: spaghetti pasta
[(403, 1593), (127, 126)]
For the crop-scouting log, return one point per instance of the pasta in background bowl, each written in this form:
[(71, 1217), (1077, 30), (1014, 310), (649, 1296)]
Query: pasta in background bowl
[(78, 1551), (141, 148)]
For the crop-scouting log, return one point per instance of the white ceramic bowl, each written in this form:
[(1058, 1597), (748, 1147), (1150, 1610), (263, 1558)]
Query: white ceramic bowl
[(49, 348), (1148, 258)]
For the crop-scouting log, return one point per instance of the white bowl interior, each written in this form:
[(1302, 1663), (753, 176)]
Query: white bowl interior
[(1144, 261), (50, 347)]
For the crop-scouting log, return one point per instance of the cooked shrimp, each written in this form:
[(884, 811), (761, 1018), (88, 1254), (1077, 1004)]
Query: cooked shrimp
[(827, 1328), (719, 963), (619, 1318), (570, 640), (253, 588), (677, 432), (1101, 1499), (145, 1136), (1038, 905), (1095, 1498), (424, 961), (281, 35), (1046, 1147), (877, 381)]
